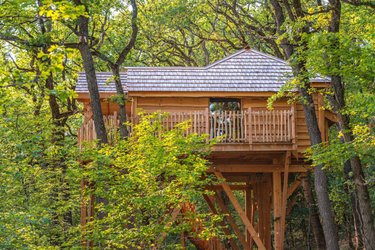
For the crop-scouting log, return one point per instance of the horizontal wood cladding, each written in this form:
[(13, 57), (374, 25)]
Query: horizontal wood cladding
[(303, 138), (108, 108), (168, 109), (248, 102), (172, 102), (196, 94)]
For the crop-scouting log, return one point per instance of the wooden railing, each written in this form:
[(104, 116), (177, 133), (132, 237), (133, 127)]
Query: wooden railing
[(245, 126)]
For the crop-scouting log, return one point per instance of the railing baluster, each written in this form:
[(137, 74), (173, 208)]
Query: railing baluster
[(289, 127), (215, 125), (250, 130), (285, 126)]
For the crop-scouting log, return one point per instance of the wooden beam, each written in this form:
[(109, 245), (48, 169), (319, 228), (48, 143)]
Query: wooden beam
[(291, 204), (231, 221), (241, 213), (174, 215), (249, 168), (277, 209), (293, 187), (285, 197), (249, 212), (233, 187), (330, 116), (211, 205), (261, 146), (267, 190)]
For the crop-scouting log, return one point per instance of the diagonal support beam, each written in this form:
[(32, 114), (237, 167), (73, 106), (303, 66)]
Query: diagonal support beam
[(175, 213), (231, 221), (241, 213), (293, 187), (211, 205)]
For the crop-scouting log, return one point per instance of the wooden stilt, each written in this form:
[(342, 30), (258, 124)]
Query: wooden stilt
[(277, 209), (240, 211), (285, 197), (258, 193), (267, 210), (249, 212)]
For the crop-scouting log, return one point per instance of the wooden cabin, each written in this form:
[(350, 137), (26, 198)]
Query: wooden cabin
[(260, 151)]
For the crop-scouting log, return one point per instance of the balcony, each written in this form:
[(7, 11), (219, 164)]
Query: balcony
[(264, 130)]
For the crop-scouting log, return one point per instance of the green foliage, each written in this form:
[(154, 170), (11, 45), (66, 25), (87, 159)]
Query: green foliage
[(39, 180), (144, 179)]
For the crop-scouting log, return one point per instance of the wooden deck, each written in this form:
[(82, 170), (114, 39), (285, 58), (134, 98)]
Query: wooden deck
[(257, 130)]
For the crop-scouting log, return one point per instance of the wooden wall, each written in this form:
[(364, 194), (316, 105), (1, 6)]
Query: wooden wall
[(108, 108), (171, 104), (261, 103)]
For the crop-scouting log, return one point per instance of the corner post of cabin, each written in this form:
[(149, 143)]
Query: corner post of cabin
[(134, 107), (207, 121), (250, 130)]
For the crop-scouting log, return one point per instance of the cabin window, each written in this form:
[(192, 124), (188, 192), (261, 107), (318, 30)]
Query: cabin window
[(225, 104)]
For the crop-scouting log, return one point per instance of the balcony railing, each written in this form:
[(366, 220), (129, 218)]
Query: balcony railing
[(245, 126)]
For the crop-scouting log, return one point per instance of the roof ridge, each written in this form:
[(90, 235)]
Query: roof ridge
[(269, 56), (226, 58)]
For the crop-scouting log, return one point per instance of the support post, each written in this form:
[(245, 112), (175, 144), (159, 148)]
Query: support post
[(267, 187), (249, 212), (277, 209), (285, 195)]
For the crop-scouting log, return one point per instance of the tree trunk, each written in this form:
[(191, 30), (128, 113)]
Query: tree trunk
[(92, 84), (338, 103), (121, 101), (320, 180), (299, 71), (314, 215), (364, 202), (115, 68), (356, 218)]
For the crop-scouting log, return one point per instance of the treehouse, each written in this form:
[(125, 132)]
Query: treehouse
[(260, 151)]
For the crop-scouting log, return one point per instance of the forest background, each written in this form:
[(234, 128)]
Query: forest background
[(45, 43)]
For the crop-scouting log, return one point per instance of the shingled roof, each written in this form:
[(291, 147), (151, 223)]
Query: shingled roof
[(245, 71)]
